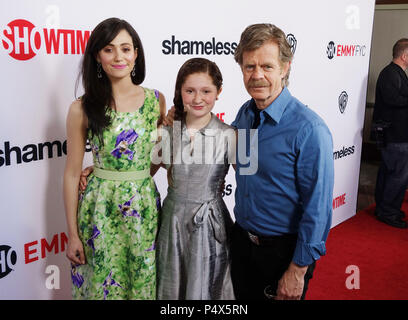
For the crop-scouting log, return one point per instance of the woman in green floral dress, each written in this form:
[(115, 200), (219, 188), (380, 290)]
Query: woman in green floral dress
[(112, 228)]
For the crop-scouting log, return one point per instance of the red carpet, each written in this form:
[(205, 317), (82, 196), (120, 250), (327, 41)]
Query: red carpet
[(379, 251)]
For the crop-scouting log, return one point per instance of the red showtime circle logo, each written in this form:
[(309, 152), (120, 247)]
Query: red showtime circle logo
[(23, 38)]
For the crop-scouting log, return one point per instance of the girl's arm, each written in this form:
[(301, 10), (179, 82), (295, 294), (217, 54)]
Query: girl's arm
[(162, 103), (76, 139)]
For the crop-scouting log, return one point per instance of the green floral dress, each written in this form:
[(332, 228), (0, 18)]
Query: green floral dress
[(117, 220)]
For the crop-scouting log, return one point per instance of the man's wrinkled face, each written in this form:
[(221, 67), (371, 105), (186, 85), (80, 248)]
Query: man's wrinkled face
[(263, 73)]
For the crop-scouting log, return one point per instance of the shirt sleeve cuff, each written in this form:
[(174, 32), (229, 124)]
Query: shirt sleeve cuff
[(306, 253)]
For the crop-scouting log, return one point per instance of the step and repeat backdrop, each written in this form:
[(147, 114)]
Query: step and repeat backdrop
[(41, 45)]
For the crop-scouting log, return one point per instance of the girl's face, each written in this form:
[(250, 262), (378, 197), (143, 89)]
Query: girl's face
[(118, 57), (199, 94)]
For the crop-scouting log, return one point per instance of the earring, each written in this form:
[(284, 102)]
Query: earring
[(133, 71), (99, 70)]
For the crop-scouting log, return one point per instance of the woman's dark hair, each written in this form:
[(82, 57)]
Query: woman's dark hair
[(97, 100), (194, 65)]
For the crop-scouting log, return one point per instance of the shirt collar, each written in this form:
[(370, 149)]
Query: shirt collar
[(277, 107), (398, 66), (205, 131)]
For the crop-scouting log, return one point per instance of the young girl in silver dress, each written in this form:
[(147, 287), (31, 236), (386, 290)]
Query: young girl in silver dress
[(193, 258)]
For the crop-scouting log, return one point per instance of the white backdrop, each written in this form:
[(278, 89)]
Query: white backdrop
[(40, 50)]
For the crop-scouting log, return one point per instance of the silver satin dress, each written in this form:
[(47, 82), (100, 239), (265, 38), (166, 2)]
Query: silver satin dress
[(193, 254)]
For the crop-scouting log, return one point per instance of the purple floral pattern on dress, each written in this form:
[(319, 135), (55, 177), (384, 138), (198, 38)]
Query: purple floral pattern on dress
[(156, 93), (77, 278), (109, 282), (127, 211), (123, 141), (158, 203), (95, 234), (152, 247), (95, 149)]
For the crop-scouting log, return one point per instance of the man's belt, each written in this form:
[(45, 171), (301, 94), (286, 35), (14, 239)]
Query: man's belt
[(265, 240)]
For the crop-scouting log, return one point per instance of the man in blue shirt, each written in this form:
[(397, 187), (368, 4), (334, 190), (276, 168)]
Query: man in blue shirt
[(283, 211)]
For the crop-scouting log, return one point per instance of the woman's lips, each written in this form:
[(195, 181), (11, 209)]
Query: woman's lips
[(119, 66)]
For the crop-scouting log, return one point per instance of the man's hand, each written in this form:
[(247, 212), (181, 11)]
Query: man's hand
[(84, 175), (290, 286), (169, 118)]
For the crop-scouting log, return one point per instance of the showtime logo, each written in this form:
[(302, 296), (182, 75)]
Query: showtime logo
[(8, 258), (339, 201), (345, 50), (22, 40)]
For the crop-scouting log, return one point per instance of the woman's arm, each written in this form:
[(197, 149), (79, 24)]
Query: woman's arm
[(76, 139)]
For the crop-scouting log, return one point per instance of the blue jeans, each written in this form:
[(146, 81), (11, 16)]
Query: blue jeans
[(392, 179)]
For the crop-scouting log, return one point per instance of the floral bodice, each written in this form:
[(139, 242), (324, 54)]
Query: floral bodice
[(130, 137)]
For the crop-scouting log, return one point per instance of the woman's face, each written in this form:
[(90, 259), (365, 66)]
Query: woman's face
[(118, 57), (199, 94)]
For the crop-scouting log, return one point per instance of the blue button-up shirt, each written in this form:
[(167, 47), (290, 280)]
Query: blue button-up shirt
[(292, 189)]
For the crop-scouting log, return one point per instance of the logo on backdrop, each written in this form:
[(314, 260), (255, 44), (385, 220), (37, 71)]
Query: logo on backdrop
[(40, 249), (186, 47), (339, 201), (343, 98), (345, 50), (220, 116), (227, 190), (292, 42), (22, 40), (33, 251), (8, 258), (331, 50), (343, 152), (11, 154)]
